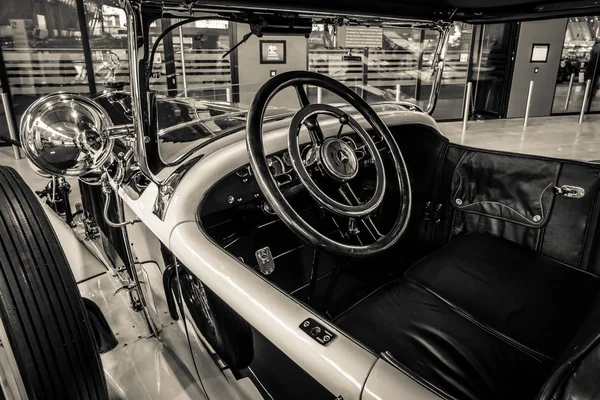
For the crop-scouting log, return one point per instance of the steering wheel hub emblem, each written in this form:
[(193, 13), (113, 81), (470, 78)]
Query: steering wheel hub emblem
[(339, 159)]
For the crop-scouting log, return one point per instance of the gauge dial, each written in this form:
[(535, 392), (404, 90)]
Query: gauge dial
[(287, 160), (243, 172), (309, 156), (276, 165)]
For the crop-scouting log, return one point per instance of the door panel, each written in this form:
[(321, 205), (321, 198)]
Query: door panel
[(513, 196)]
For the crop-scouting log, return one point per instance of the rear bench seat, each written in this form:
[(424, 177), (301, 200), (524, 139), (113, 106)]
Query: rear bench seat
[(482, 318)]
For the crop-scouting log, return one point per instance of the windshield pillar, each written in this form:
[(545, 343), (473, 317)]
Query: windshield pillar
[(145, 146), (439, 62)]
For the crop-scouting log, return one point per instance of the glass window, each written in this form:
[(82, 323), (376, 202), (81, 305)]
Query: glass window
[(578, 64), (41, 44), (107, 31), (450, 101), (215, 86), (201, 69), (492, 58), (194, 54), (3, 123), (398, 69)]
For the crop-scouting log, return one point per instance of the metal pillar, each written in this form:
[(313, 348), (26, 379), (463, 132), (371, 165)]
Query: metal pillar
[(584, 105), (398, 93), (365, 73), (527, 108), (569, 93), (10, 121), (169, 60), (438, 65), (9, 111), (467, 107), (183, 75), (319, 95), (233, 65), (85, 42)]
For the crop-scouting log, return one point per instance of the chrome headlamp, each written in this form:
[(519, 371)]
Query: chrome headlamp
[(66, 134)]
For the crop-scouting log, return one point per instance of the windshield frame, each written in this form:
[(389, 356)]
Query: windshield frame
[(144, 100)]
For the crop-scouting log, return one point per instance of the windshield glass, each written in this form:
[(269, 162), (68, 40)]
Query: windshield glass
[(205, 90)]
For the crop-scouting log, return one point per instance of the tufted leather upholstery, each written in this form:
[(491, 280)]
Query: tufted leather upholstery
[(481, 318)]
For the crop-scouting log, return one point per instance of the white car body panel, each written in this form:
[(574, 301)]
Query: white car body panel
[(344, 366), (83, 263)]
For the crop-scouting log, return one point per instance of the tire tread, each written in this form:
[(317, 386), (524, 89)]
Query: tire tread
[(40, 303)]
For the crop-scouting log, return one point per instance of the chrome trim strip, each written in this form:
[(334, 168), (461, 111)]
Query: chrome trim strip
[(136, 279), (135, 43)]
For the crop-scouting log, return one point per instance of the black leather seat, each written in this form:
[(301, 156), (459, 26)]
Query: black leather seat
[(481, 318)]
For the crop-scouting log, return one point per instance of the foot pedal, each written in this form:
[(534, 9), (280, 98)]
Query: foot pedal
[(265, 260)]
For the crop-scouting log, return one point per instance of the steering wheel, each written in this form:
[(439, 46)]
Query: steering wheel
[(336, 160)]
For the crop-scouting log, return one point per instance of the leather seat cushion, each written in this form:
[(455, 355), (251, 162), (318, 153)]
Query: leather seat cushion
[(532, 301), (436, 344)]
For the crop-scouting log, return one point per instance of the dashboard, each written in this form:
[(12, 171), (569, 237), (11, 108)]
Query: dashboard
[(239, 189)]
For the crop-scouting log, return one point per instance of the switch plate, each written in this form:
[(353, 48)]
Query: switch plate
[(317, 332)]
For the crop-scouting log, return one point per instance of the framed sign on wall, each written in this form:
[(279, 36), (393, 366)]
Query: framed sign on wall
[(539, 52), (272, 51)]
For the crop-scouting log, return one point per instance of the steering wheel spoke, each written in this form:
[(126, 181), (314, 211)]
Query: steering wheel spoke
[(302, 96), (367, 222), (346, 191), (316, 134), (370, 226)]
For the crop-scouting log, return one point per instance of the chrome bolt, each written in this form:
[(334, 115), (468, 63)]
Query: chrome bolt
[(147, 139), (537, 218), (306, 324), (230, 199), (458, 202)]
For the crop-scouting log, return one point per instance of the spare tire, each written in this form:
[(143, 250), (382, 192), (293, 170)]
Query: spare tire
[(44, 322)]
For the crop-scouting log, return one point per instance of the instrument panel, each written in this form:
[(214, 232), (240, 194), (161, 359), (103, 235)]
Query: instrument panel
[(240, 188)]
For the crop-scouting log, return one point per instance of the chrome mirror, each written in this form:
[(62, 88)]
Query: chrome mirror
[(66, 134)]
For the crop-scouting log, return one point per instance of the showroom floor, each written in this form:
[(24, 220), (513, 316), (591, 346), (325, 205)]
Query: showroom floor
[(553, 136), (549, 136)]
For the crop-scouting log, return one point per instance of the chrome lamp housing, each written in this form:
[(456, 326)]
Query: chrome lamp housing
[(66, 134)]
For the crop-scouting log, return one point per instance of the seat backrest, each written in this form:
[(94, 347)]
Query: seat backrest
[(514, 196), (576, 375)]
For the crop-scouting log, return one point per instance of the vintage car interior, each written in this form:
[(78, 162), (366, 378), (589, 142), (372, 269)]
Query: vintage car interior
[(490, 278), (341, 249)]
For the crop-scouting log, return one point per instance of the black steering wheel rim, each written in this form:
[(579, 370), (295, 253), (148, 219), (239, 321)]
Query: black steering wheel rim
[(270, 188)]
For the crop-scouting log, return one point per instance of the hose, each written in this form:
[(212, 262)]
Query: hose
[(107, 219)]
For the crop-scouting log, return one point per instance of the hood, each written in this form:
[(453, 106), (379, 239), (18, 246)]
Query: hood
[(183, 120), (188, 120), (473, 11), (185, 124)]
